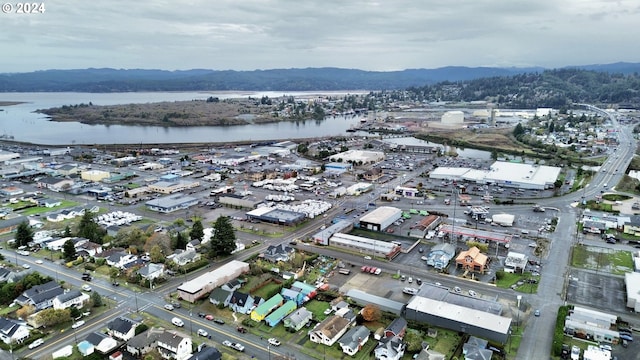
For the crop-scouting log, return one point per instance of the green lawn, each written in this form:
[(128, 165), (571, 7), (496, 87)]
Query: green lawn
[(602, 259), (267, 291)]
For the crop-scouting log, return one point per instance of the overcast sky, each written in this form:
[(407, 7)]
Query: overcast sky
[(369, 35)]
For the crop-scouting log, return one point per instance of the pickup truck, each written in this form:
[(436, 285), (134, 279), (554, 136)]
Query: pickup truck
[(235, 346)]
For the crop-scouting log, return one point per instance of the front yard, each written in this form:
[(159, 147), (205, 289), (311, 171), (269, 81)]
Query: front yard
[(597, 258)]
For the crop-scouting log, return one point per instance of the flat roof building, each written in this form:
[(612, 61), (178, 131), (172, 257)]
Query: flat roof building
[(171, 203), (632, 281), (199, 287), (380, 218), (364, 245)]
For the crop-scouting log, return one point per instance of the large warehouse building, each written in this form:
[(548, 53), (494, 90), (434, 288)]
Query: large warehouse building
[(483, 324), (507, 174), (276, 216), (380, 218), (364, 245), (199, 287)]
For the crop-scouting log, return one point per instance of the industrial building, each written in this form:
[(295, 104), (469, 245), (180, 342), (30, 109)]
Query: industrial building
[(591, 325), (358, 157), (322, 237), (454, 117), (362, 298), (276, 216), (364, 245), (480, 323), (199, 287), (380, 218), (171, 203), (632, 282), (507, 174)]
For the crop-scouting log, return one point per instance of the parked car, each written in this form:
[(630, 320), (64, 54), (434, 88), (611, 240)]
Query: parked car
[(536, 313), (38, 261), (86, 288), (177, 322), (201, 314), (457, 289), (203, 332), (77, 324), (209, 317), (367, 257), (168, 307), (274, 341), (472, 293), (218, 321), (36, 343), (626, 337), (241, 329), (176, 304), (26, 266)]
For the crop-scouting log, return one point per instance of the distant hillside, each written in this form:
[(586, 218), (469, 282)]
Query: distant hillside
[(309, 79)]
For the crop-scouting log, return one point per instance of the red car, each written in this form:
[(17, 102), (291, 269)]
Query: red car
[(208, 317), (241, 329)]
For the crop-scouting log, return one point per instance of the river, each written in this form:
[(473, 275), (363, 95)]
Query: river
[(23, 124)]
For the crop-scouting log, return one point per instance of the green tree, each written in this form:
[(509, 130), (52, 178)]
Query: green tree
[(67, 231), (180, 241), (89, 229), (223, 240), (156, 254), (96, 299), (50, 317), (113, 273), (197, 230), (69, 250), (24, 234)]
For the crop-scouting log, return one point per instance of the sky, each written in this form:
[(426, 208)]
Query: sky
[(356, 34)]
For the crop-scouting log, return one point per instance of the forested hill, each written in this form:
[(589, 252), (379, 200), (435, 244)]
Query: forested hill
[(551, 88), (310, 79)]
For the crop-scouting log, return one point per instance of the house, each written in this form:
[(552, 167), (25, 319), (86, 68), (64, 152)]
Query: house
[(206, 353), (103, 343), (472, 260), (65, 214), (297, 319), (49, 203), (143, 343), (4, 274), (120, 259), (70, 298), (183, 257), (476, 349), (440, 255), (151, 271), (338, 303), (398, 327), (12, 332), (373, 174), (88, 249), (240, 302), (9, 225), (329, 331), (390, 348), (232, 285), (276, 316), (354, 340), (40, 296), (289, 294), (632, 226), (86, 348), (193, 245), (280, 252), (55, 184), (260, 312), (171, 345), (219, 296), (122, 328)]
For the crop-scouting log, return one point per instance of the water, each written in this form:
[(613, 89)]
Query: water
[(21, 122)]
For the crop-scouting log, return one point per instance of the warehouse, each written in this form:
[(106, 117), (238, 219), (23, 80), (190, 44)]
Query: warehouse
[(199, 287), (632, 282), (276, 216), (380, 218), (322, 237), (363, 299), (364, 245), (483, 324), (171, 203), (507, 174)]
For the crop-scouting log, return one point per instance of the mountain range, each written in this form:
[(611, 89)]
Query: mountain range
[(307, 79)]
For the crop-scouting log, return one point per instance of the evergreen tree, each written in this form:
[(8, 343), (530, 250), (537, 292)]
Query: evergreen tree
[(180, 242), (89, 229), (96, 299), (69, 250), (223, 240), (197, 230), (24, 234)]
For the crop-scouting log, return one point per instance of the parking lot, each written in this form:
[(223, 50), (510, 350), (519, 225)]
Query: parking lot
[(597, 290)]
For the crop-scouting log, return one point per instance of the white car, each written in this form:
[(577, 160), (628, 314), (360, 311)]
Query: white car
[(86, 288), (472, 293), (274, 341), (236, 346), (38, 261), (367, 257), (168, 307), (177, 322), (328, 311), (36, 343), (203, 332), (26, 266), (77, 324)]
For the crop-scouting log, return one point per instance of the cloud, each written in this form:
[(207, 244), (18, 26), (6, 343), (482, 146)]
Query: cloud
[(370, 35)]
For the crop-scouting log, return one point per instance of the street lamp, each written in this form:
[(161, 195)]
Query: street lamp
[(269, 349)]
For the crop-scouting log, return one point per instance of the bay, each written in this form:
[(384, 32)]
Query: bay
[(23, 124)]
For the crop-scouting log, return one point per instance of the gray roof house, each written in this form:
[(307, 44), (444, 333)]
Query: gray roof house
[(440, 255), (40, 296), (122, 328), (70, 298), (183, 257), (12, 332), (240, 302), (297, 319), (280, 252), (219, 296), (174, 345), (390, 348), (151, 271), (398, 327), (103, 343), (206, 353), (354, 339), (476, 349), (143, 343)]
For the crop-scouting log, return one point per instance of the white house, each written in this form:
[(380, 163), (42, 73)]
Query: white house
[(122, 328), (182, 258), (151, 271), (329, 331), (171, 345), (70, 298), (11, 332), (354, 340)]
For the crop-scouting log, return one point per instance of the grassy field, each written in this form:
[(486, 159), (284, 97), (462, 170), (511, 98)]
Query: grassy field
[(602, 259), (509, 279)]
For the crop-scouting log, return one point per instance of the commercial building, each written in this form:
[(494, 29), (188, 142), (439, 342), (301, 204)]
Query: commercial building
[(202, 285), (322, 237), (591, 325), (483, 324), (362, 298), (364, 245), (454, 117), (171, 203), (94, 175), (632, 282), (276, 216), (507, 174), (358, 157), (380, 218)]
